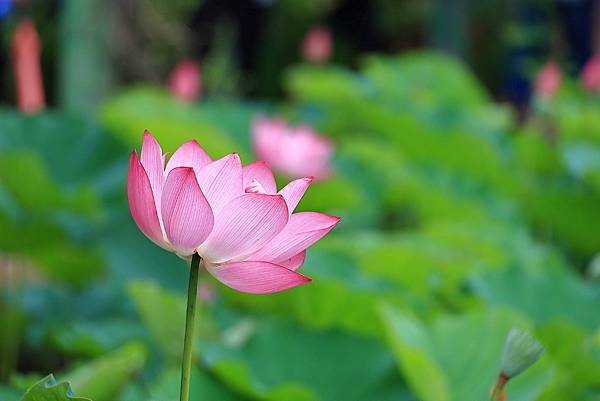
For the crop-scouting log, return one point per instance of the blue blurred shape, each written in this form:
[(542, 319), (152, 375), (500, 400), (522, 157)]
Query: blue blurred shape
[(6, 7)]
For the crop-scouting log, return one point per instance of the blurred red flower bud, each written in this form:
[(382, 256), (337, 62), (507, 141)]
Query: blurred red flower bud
[(318, 45), (26, 51), (548, 79), (185, 82), (590, 75)]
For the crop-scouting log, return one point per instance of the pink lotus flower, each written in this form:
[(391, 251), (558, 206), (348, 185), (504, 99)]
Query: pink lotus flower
[(185, 82), (590, 76), (294, 151), (548, 79), (317, 45), (244, 230), (26, 61)]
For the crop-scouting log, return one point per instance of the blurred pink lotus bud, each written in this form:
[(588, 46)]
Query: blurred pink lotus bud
[(548, 79), (293, 151), (250, 240), (26, 63), (317, 45), (590, 75), (185, 81)]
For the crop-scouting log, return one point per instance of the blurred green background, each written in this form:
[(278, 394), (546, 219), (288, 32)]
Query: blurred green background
[(463, 214)]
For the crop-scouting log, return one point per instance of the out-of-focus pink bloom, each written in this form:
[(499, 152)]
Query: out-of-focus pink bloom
[(26, 63), (590, 76), (317, 45), (548, 79), (232, 216), (294, 151), (185, 82)]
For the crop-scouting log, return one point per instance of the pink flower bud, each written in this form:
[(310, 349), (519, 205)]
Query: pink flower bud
[(185, 82), (26, 63), (590, 75), (548, 79), (317, 45)]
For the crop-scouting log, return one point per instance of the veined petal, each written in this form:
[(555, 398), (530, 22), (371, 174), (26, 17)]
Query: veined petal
[(190, 154), (295, 261), (302, 230), (141, 202), (186, 214), (260, 172), (221, 181), (257, 277), (152, 159), (243, 226), (294, 191)]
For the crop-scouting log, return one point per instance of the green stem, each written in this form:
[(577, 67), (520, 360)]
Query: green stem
[(190, 318)]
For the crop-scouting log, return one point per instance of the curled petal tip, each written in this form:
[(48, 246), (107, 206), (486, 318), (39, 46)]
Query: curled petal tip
[(134, 158), (333, 221), (148, 136), (294, 191), (302, 280), (233, 156)]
